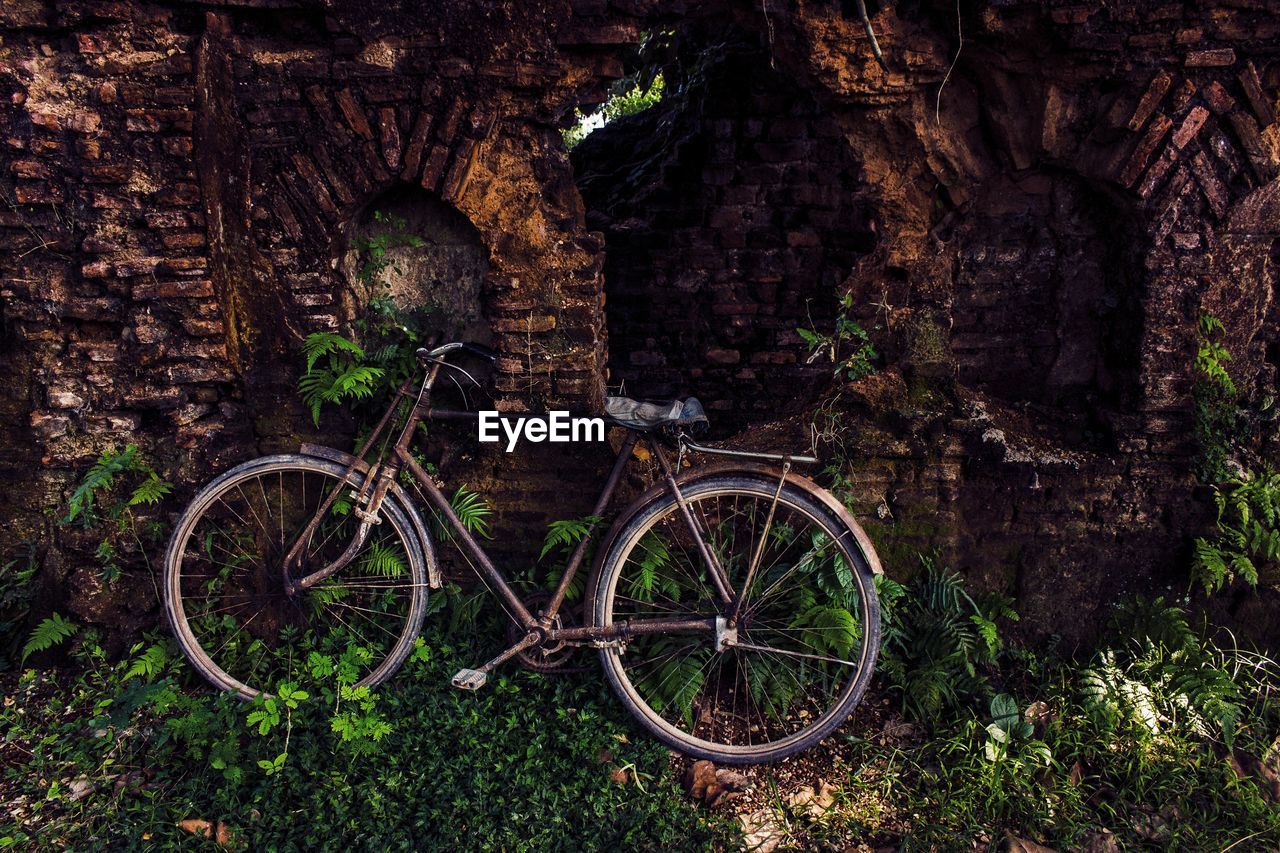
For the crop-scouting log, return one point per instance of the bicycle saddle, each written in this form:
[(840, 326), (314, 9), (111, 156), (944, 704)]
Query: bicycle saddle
[(645, 415)]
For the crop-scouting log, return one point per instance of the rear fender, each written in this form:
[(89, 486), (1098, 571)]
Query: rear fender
[(410, 507), (765, 474)]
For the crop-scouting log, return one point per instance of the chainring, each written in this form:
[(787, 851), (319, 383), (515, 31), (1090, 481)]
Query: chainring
[(550, 657)]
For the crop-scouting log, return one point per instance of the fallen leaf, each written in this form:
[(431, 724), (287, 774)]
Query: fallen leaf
[(197, 826), (700, 776), (761, 832), (1022, 845)]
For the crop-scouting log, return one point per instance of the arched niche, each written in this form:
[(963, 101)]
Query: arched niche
[(435, 261)]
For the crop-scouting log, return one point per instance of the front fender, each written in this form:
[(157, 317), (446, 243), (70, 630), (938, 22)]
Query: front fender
[(410, 508), (749, 469)]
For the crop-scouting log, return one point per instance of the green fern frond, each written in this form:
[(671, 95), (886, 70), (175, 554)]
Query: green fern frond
[(149, 664), (567, 532), (49, 633), (320, 344), (150, 491), (473, 510), (383, 560)]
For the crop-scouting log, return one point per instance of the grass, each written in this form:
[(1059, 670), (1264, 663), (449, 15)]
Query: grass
[(527, 763), (118, 754)]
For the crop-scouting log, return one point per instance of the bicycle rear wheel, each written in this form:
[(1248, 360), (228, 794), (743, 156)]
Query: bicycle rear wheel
[(807, 635), (224, 588)]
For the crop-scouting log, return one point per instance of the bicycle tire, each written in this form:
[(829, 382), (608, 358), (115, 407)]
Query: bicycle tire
[(390, 512), (799, 498)]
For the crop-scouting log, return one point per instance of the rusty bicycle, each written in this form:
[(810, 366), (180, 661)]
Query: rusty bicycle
[(733, 605)]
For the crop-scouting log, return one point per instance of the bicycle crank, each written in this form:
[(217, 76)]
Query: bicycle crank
[(474, 679), (550, 656)]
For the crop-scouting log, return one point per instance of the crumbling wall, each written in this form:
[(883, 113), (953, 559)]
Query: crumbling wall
[(182, 188), (733, 213), (1054, 205), (1029, 225)]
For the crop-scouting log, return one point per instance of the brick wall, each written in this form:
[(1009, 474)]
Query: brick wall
[(732, 215)]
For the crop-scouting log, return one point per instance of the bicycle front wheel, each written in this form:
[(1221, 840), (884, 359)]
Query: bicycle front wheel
[(807, 632), (224, 587)]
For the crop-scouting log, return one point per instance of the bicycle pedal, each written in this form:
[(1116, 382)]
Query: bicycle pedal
[(470, 679)]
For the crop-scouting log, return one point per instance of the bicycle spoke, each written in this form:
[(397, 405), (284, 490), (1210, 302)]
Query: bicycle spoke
[(243, 628), (791, 660)]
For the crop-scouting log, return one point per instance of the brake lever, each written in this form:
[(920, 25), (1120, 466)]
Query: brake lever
[(443, 363)]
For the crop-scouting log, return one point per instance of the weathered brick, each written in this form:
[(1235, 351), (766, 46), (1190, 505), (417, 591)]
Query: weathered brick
[(183, 289), (1150, 100), (1258, 100), (1219, 101), (354, 114), (1213, 58), (389, 134), (1190, 127)]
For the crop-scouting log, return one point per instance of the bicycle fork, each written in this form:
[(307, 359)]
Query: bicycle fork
[(367, 504)]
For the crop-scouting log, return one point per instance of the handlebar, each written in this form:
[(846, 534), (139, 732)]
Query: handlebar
[(479, 350)]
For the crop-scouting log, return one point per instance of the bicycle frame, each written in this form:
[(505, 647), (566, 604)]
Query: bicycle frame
[(538, 629)]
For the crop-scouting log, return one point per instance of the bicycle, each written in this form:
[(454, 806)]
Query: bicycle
[(733, 606)]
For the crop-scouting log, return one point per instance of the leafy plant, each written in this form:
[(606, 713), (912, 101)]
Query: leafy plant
[(848, 346), (1247, 541), (472, 509), (49, 633), (563, 535), (110, 494), (340, 371), (17, 579), (336, 372), (1215, 401), (1163, 679), (629, 96), (1009, 736), (566, 533), (101, 479), (935, 639)]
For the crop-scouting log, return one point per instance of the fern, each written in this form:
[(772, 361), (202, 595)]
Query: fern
[(321, 344), (383, 560), (472, 509), (150, 491), (675, 683), (1247, 539), (654, 555), (567, 532), (935, 638), (1162, 678), (343, 377), (101, 478), (829, 628), (149, 664), (49, 633)]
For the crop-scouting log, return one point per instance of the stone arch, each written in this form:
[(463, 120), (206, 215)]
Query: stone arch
[(356, 144), (733, 212), (436, 261)]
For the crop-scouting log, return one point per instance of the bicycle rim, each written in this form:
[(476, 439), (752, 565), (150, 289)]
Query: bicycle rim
[(805, 642), (225, 594)]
